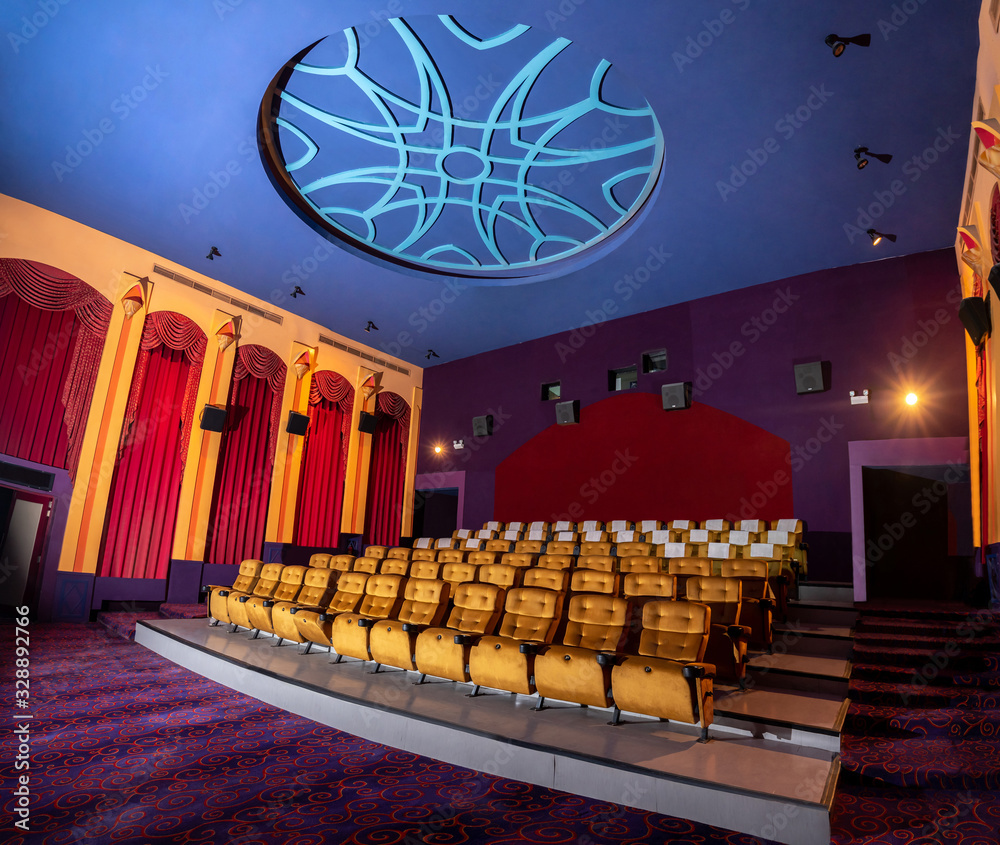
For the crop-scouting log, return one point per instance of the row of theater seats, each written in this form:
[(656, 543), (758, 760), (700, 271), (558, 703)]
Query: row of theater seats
[(640, 639)]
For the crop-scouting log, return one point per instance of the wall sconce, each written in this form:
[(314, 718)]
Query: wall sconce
[(972, 252), (458, 444), (303, 364), (135, 297), (989, 136), (229, 333), (859, 399), (371, 385)]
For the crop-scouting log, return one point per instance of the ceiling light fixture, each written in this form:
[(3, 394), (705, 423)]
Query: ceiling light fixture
[(838, 43), (431, 354), (911, 398), (371, 327), (298, 292), (861, 152), (212, 253), (877, 237)]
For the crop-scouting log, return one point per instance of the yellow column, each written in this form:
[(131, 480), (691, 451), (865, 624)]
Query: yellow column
[(194, 506), (88, 507), (359, 456), (289, 448), (416, 407)]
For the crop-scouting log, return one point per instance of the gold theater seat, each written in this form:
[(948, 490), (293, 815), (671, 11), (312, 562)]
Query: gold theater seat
[(426, 569), (400, 553), (393, 641), (259, 607), (605, 563), (688, 567), (444, 652), (500, 575), (506, 661), (246, 580), (318, 587), (458, 573), (314, 625), (236, 602), (757, 603), (728, 639), (579, 669), (641, 563), (668, 679), (349, 634), (633, 548)]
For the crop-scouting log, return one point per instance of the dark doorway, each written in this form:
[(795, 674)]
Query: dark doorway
[(435, 512), (907, 533), (24, 522)]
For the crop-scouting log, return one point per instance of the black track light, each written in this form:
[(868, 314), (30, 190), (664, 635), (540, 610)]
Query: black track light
[(371, 327), (298, 292), (861, 152), (212, 253), (431, 354), (838, 43), (877, 237)]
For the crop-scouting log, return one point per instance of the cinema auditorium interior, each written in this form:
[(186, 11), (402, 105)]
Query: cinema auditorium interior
[(544, 421)]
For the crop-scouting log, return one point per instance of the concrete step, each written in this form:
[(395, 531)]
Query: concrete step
[(837, 613), (838, 591), (806, 672), (794, 637)]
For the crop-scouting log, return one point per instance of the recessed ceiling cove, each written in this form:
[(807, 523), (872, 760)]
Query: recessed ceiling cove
[(466, 147)]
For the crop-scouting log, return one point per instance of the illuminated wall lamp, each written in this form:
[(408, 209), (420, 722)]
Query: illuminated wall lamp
[(859, 398), (458, 444)]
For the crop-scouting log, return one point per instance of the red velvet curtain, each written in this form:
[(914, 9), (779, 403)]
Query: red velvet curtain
[(142, 507), (246, 457), (384, 511), (52, 332), (320, 498)]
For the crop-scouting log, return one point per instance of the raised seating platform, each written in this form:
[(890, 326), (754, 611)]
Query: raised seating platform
[(773, 752)]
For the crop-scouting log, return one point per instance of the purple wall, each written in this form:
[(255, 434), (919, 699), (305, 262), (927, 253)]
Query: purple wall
[(887, 326)]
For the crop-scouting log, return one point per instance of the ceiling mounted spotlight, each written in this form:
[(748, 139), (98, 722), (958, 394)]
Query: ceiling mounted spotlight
[(861, 152), (371, 327), (838, 43), (431, 354), (298, 292), (212, 253), (877, 237)]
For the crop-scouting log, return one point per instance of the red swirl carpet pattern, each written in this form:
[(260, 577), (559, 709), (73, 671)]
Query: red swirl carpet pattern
[(921, 747), (127, 747)]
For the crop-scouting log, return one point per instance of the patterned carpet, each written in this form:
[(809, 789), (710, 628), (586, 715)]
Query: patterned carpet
[(921, 748), (127, 747)]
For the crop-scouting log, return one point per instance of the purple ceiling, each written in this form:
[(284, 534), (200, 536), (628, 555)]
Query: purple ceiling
[(141, 119)]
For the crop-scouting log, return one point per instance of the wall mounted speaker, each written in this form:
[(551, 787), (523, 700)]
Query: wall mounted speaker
[(366, 423), (811, 378), (676, 396), (297, 423), (568, 413), (213, 418), (975, 316), (482, 426)]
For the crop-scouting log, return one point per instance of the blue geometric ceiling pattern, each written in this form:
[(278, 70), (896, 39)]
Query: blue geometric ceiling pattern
[(486, 150)]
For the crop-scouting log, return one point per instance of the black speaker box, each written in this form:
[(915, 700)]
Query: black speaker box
[(213, 418), (366, 423), (482, 426), (676, 396), (975, 316), (297, 423), (568, 413), (811, 378)]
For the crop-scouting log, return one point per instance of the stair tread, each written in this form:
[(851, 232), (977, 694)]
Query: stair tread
[(826, 605), (808, 710), (815, 629), (804, 664)]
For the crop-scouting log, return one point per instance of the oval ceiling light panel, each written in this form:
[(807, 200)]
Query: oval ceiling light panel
[(488, 151)]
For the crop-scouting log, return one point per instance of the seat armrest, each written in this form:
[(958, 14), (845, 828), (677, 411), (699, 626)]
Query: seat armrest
[(222, 592), (365, 623), (413, 627), (268, 602), (737, 631), (463, 639), (765, 603), (243, 599), (298, 607), (529, 648), (607, 658), (328, 617), (693, 670)]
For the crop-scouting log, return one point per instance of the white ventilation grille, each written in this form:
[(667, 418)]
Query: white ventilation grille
[(364, 356), (229, 300)]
